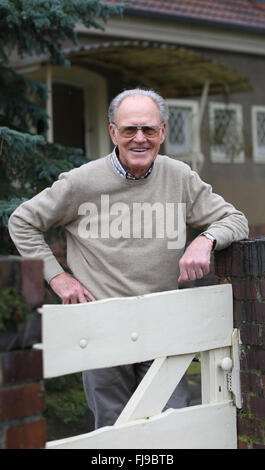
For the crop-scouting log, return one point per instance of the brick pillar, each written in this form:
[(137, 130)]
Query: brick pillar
[(243, 264), (21, 388)]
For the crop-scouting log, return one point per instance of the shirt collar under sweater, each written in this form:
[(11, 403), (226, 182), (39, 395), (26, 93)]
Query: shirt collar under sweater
[(119, 168)]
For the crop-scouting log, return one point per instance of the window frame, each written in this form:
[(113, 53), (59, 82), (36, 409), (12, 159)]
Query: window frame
[(257, 156), (195, 146), (215, 155)]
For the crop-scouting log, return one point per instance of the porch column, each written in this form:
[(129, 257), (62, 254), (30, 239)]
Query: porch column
[(243, 265), (49, 108)]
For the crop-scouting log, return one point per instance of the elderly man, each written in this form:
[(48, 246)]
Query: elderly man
[(111, 249)]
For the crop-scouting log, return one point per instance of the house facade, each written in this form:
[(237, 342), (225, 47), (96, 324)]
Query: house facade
[(206, 58)]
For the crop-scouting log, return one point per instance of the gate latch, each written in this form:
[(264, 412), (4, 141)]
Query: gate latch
[(231, 366)]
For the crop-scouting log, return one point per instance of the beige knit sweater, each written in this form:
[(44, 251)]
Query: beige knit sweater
[(124, 237)]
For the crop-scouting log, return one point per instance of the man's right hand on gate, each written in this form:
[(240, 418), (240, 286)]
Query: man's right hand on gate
[(70, 290)]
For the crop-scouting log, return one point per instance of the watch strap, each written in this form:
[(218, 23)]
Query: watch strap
[(210, 237)]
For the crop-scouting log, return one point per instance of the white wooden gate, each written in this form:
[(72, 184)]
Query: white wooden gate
[(169, 327)]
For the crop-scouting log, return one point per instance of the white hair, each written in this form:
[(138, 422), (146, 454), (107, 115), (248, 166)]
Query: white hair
[(159, 101)]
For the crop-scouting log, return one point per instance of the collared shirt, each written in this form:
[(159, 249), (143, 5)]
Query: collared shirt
[(122, 172)]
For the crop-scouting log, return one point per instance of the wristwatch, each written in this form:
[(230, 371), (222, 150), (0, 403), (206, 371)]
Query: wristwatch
[(210, 237)]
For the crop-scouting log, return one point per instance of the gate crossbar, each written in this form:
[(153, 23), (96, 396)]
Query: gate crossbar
[(111, 332)]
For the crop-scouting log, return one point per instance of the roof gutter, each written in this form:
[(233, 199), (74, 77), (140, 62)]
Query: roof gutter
[(192, 21)]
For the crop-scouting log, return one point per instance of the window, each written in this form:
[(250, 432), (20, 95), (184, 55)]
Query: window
[(226, 133), (182, 139), (258, 133)]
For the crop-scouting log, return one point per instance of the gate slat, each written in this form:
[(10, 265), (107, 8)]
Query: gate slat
[(126, 330), (211, 426), (150, 397)]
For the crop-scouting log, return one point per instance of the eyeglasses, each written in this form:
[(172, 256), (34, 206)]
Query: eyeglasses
[(131, 131)]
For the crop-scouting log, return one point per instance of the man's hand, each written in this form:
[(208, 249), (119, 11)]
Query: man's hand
[(70, 290), (195, 262)]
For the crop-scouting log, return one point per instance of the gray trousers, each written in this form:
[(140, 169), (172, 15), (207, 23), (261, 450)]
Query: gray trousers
[(108, 390)]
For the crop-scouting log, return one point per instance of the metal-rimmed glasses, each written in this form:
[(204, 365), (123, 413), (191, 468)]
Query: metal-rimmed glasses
[(130, 131)]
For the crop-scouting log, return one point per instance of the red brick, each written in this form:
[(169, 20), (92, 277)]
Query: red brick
[(263, 384), (244, 289), (262, 336), (223, 263), (253, 252), (257, 406), (249, 334), (22, 401), (244, 264), (239, 312), (251, 382), (9, 272), (242, 445), (21, 366), (25, 275), (254, 311), (30, 435), (258, 430), (237, 257), (241, 259), (245, 426), (255, 359), (262, 288)]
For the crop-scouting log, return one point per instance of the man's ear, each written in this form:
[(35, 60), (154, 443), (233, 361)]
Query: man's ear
[(112, 133), (163, 132)]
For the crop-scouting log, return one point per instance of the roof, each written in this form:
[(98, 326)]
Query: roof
[(171, 70), (237, 14)]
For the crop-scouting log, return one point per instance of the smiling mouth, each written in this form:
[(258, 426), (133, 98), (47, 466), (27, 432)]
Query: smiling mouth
[(139, 150)]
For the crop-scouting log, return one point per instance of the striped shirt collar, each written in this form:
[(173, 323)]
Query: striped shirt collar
[(119, 168)]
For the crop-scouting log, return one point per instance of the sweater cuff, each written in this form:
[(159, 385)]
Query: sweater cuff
[(51, 269), (224, 237)]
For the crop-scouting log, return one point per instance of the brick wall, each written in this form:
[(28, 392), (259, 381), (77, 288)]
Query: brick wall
[(243, 264), (21, 388)]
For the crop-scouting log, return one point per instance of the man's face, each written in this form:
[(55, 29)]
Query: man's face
[(137, 153)]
